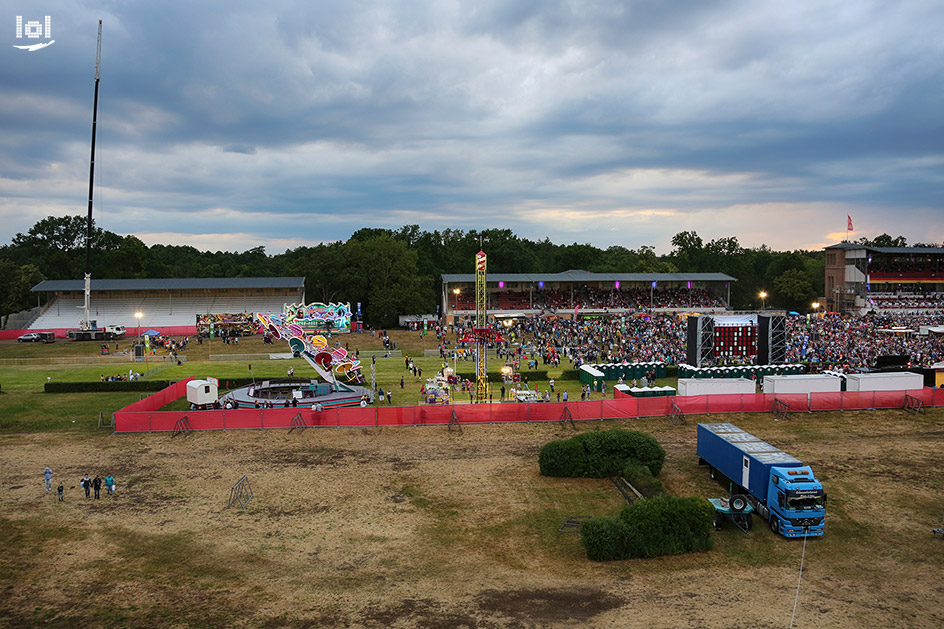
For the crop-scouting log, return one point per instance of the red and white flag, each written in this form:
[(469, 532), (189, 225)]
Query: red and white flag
[(849, 218)]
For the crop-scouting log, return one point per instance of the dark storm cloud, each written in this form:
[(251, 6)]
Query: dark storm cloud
[(574, 120)]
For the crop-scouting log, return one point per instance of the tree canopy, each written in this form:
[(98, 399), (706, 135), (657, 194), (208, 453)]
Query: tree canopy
[(394, 272)]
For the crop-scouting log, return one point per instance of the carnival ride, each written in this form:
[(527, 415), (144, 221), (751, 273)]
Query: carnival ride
[(300, 325), (481, 335)]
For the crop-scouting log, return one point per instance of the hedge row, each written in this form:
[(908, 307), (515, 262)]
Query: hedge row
[(659, 526), (102, 387), (494, 376), (601, 454)]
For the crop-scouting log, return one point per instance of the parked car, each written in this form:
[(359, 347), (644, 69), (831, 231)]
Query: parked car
[(37, 337)]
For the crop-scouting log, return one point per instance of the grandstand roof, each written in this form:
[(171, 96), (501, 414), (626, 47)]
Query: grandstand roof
[(586, 276), (904, 250), (183, 283)]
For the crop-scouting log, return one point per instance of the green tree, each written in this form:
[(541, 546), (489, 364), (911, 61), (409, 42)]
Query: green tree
[(793, 289), (15, 284)]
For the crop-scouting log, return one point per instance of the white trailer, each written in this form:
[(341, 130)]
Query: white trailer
[(715, 386), (805, 383), (894, 381), (202, 392)]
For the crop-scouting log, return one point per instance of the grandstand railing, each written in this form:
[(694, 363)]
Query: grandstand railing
[(144, 416)]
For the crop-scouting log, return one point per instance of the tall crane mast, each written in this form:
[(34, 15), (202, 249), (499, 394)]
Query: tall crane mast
[(85, 324)]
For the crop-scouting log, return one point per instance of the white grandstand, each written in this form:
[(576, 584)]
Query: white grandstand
[(166, 305)]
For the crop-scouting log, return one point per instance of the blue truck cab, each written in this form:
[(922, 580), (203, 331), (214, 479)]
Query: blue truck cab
[(779, 486)]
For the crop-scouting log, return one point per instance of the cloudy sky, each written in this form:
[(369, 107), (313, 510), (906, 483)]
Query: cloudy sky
[(228, 125)]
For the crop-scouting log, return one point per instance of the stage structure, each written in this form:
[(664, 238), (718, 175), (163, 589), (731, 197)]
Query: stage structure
[(302, 325), (481, 334), (736, 337)]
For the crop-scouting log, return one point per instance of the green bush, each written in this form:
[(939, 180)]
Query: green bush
[(564, 458), (639, 476), (667, 525), (606, 539), (608, 451), (604, 453), (650, 528)]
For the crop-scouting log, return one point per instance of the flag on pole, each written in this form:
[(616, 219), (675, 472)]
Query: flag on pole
[(849, 218)]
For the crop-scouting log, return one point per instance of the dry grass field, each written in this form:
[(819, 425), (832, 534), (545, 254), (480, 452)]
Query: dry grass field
[(421, 527)]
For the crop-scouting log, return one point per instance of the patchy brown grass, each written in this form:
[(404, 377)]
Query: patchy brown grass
[(419, 527)]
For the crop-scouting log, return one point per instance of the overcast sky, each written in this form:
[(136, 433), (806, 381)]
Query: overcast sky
[(228, 125)]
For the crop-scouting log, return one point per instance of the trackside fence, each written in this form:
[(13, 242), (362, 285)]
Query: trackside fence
[(144, 416)]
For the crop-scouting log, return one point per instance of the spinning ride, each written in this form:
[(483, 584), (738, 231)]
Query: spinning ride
[(301, 326)]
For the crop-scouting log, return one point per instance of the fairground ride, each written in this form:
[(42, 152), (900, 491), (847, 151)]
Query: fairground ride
[(481, 335)]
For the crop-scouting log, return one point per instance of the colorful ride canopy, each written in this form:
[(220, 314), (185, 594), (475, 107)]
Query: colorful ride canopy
[(303, 328)]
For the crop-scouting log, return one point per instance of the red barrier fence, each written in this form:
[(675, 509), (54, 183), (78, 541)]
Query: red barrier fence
[(61, 333), (144, 416)]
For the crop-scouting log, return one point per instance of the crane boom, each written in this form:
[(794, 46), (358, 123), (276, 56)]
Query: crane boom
[(85, 324)]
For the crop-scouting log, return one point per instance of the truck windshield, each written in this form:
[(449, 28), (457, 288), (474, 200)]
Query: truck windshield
[(806, 503)]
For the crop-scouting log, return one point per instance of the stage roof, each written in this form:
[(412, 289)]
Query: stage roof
[(586, 276), (190, 283)]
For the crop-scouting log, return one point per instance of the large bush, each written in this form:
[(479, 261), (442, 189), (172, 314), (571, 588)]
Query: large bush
[(650, 528), (563, 458), (667, 525), (605, 539), (601, 454)]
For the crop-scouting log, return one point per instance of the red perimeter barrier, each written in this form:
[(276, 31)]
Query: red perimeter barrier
[(142, 416)]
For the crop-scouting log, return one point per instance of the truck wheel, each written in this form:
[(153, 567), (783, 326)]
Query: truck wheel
[(713, 473), (775, 525), (738, 503)]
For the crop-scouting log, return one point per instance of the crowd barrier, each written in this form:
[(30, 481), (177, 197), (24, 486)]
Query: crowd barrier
[(144, 416)]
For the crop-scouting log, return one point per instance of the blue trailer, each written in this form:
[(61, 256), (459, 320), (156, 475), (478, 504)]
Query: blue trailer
[(780, 488)]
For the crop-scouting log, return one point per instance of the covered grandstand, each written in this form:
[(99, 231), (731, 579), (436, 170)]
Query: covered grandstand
[(582, 293), (170, 306), (888, 280)]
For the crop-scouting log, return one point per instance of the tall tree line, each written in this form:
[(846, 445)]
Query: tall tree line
[(394, 272)]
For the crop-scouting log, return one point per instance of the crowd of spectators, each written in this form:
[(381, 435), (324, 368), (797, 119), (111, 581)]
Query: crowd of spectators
[(904, 265), (825, 342), (619, 339), (907, 302), (587, 298), (854, 342)]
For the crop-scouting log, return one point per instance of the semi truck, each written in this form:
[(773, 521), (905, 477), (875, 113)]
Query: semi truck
[(779, 487)]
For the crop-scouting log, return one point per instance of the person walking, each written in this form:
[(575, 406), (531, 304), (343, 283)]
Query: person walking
[(110, 484), (552, 385), (401, 382), (47, 476), (97, 486), (389, 398), (59, 491)]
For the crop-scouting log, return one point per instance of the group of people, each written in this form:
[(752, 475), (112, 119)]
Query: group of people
[(89, 484), (853, 342)]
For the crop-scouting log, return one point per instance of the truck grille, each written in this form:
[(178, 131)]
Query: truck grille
[(806, 521)]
